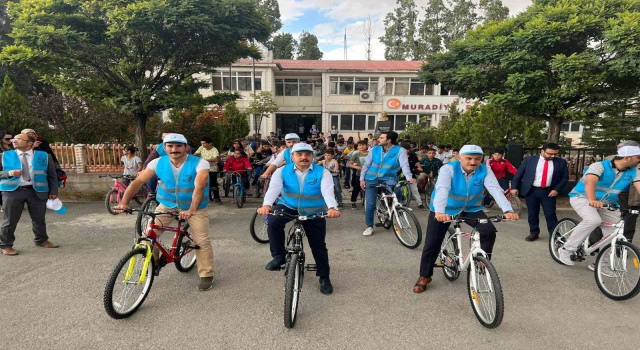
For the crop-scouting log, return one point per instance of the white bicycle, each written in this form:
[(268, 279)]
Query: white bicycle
[(483, 284), (617, 267), (391, 213)]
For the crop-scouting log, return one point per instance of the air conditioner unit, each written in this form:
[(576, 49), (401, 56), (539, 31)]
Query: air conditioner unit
[(367, 96)]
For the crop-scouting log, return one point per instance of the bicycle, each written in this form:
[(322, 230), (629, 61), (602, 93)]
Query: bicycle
[(239, 192), (263, 185), (516, 204), (130, 281), (391, 213), (115, 194), (617, 269), (142, 220), (429, 186), (403, 192), (259, 228), (483, 284), (294, 267)]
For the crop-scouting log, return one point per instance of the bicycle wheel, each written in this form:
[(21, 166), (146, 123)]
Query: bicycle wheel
[(111, 200), (381, 214), (126, 288), (142, 221), (516, 204), (211, 196), (407, 228), (427, 193), (449, 256), (486, 297), (142, 194), (560, 233), (237, 196), (186, 258), (258, 228), (292, 286), (404, 196), (620, 278)]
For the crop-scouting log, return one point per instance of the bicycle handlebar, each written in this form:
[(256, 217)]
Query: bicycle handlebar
[(297, 217), (496, 218), (173, 214), (115, 176)]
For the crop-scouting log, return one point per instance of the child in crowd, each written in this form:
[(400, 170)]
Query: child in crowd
[(331, 164)]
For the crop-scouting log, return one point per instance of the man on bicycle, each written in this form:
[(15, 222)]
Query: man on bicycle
[(600, 185), (290, 139), (305, 189), (458, 191), (382, 165), (183, 180)]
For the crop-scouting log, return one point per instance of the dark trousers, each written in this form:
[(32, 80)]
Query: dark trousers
[(355, 187), (629, 221), (540, 197), (213, 184), (436, 231), (13, 204), (316, 231), (347, 175)]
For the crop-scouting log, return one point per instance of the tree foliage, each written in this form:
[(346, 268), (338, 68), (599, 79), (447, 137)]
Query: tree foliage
[(139, 56), (271, 10), (283, 46), (431, 29), (261, 107), (557, 61), (621, 123), (308, 47), (15, 113)]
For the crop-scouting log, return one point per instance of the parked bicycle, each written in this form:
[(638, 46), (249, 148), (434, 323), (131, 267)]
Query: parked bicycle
[(130, 282), (516, 204), (391, 213), (617, 266), (483, 284), (115, 194), (294, 267)]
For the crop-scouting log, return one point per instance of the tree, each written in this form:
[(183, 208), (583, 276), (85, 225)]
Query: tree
[(139, 56), (15, 113), (271, 11), (459, 19), (283, 46), (400, 29), (368, 31), (493, 10), (557, 61), (431, 29), (308, 47), (261, 107), (621, 123)]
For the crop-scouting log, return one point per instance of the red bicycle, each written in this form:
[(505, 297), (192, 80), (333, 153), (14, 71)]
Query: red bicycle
[(131, 279), (516, 204), (115, 194)]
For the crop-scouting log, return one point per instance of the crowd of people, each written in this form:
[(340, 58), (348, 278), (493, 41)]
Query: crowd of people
[(307, 177)]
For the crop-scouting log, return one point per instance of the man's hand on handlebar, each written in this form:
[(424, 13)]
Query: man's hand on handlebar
[(121, 208), (412, 181), (596, 204), (185, 214), (332, 214), (442, 217), (264, 210), (511, 216)]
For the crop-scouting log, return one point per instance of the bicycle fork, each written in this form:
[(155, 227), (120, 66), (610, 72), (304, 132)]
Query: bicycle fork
[(145, 265)]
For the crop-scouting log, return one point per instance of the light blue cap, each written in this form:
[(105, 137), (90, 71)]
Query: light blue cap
[(471, 149)]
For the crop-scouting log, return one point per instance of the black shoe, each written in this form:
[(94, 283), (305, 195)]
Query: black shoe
[(354, 206), (218, 200), (325, 286), (340, 206), (531, 238), (275, 264)]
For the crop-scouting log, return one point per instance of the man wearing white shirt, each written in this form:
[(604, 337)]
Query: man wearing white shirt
[(27, 176), (304, 189)]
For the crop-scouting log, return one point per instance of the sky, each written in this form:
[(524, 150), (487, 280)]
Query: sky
[(328, 19)]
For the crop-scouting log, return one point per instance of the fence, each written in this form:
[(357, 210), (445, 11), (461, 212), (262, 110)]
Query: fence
[(90, 158)]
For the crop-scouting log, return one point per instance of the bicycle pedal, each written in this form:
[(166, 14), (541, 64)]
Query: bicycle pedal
[(438, 265), (379, 225), (311, 267), (196, 247)]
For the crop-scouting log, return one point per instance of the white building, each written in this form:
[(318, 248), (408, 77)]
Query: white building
[(348, 94)]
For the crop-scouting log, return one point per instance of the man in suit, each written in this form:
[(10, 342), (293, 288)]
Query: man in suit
[(27, 176), (539, 180)]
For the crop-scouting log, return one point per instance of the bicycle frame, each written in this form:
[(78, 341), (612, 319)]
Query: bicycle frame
[(383, 191)]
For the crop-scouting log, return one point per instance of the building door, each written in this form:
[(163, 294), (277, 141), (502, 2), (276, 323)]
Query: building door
[(297, 123)]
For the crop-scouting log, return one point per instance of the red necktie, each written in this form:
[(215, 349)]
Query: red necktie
[(545, 170)]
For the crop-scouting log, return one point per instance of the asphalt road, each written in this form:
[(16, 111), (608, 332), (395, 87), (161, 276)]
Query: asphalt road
[(52, 298)]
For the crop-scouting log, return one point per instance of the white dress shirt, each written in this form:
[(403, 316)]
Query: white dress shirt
[(537, 181), (326, 186)]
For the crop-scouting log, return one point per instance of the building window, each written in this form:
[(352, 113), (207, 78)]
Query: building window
[(239, 81), (399, 121), (352, 85), (351, 122), (298, 87), (569, 126), (407, 87)]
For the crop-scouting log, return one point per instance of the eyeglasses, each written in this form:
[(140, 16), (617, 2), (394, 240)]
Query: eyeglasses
[(8, 138)]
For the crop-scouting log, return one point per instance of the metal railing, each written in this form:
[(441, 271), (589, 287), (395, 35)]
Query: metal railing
[(100, 158)]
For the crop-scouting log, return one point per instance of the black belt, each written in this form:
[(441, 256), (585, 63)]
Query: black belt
[(28, 187), (543, 188)]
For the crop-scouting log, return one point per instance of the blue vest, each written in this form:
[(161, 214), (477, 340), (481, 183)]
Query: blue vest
[(160, 150), (11, 161), (179, 195), (607, 188), (287, 155), (308, 200), (463, 197), (384, 167)]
